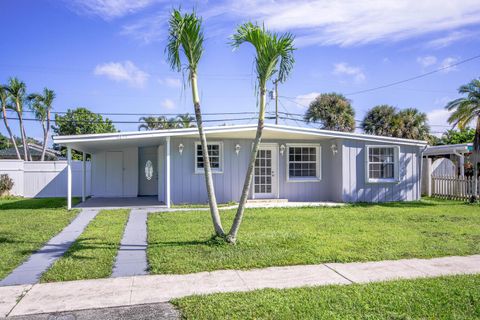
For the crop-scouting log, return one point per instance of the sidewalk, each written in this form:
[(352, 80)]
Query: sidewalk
[(126, 291)]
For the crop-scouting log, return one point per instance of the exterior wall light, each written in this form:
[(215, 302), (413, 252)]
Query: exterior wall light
[(180, 148), (237, 149), (282, 149), (334, 148)]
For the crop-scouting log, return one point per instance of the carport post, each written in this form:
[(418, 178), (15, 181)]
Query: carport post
[(69, 178), (84, 176), (167, 174)]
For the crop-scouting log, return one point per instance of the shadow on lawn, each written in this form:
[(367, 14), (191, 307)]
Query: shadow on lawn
[(36, 203)]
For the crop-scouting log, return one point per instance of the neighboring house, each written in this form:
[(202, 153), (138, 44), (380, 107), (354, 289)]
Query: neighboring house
[(457, 153), (35, 151), (294, 163)]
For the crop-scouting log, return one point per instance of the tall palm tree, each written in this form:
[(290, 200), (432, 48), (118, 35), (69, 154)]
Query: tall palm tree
[(186, 120), (41, 105), (465, 110), (17, 91), (6, 106), (186, 38), (274, 53)]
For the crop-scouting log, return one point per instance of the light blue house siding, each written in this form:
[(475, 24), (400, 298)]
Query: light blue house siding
[(354, 187), (343, 173)]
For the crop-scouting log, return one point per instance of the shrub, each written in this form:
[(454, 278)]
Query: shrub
[(6, 184)]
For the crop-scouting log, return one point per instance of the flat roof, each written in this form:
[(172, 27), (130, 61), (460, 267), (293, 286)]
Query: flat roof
[(448, 149), (93, 142)]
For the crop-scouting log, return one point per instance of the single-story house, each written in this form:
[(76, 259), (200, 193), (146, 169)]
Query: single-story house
[(35, 151), (294, 163)]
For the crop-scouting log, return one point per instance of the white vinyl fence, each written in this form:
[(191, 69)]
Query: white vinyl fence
[(36, 179), (452, 187)]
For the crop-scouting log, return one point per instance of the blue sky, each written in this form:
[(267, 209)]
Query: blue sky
[(108, 55)]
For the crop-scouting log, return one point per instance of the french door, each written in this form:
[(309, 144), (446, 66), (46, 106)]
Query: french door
[(265, 183)]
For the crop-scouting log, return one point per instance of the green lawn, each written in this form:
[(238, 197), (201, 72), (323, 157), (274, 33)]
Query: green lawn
[(179, 242), (93, 254), (26, 224), (437, 298)]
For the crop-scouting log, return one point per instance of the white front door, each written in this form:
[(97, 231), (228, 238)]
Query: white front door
[(114, 174), (266, 171)]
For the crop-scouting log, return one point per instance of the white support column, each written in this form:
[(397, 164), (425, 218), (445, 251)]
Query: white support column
[(84, 176), (462, 165), (69, 178), (167, 173)]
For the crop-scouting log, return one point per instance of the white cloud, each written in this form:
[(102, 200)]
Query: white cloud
[(304, 100), (343, 68), (109, 9), (450, 38), (149, 29), (122, 71), (427, 61), (353, 22), (170, 82), (448, 62), (168, 104), (437, 119)]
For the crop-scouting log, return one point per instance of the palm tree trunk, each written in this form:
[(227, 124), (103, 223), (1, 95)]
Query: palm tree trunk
[(45, 137), (5, 121), (212, 200), (22, 133), (476, 151), (232, 235)]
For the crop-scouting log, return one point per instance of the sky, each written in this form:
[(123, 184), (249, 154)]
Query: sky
[(109, 55)]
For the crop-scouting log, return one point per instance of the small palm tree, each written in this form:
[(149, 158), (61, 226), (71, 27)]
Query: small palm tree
[(410, 124), (379, 120), (333, 111), (6, 106), (274, 54), (465, 110), (186, 39), (149, 123), (17, 92), (41, 105), (186, 120)]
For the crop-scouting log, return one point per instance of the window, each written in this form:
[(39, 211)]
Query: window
[(303, 162), (382, 163), (215, 153)]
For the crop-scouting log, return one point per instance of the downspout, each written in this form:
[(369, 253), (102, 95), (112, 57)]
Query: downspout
[(421, 171)]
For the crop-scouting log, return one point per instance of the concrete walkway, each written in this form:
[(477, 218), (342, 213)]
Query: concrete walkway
[(127, 291), (132, 257), (31, 270)]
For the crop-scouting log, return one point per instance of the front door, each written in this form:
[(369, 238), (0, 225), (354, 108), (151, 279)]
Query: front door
[(147, 171), (265, 176)]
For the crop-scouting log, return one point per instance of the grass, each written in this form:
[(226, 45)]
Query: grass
[(93, 254), (202, 206), (180, 242), (26, 224), (456, 297)]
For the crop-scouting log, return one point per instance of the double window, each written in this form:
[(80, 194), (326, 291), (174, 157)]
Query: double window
[(215, 154), (303, 162), (382, 163)]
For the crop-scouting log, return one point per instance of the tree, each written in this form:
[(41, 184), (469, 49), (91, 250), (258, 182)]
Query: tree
[(411, 124), (333, 111), (4, 142), (464, 135), (41, 105), (186, 121), (6, 106), (17, 91), (379, 120), (81, 121), (464, 111), (158, 123), (274, 54), (186, 39)]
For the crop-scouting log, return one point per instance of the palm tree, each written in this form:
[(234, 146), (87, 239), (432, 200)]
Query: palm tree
[(333, 111), (411, 124), (465, 110), (379, 120), (41, 105), (149, 123), (186, 37), (6, 106), (16, 90), (186, 120), (274, 53), (158, 123)]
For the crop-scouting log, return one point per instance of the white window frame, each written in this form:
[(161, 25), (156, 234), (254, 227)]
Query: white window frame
[(214, 170), (396, 165), (318, 176)]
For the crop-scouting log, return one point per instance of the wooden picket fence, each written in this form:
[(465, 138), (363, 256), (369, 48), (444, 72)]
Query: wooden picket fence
[(453, 187)]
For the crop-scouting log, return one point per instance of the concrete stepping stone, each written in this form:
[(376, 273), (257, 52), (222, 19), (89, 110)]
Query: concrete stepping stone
[(31, 270), (132, 256)]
